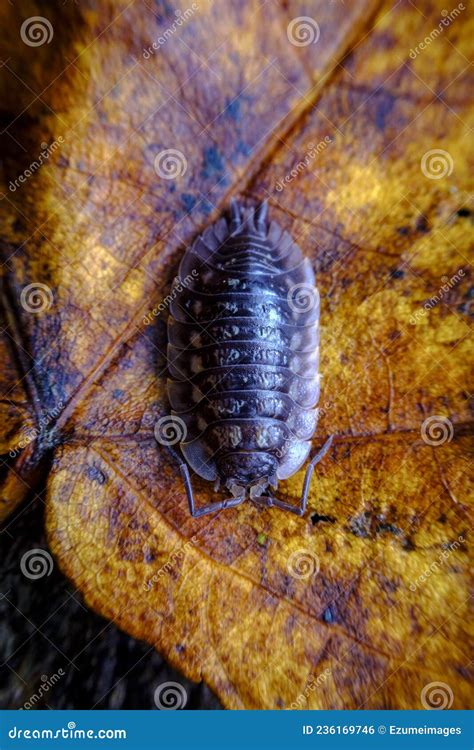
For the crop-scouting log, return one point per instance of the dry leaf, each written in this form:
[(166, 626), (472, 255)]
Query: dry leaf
[(363, 602)]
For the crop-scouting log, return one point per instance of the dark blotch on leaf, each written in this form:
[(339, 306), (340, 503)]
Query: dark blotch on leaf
[(388, 528), (316, 518), (188, 201), (384, 108), (96, 475), (165, 12), (213, 162), (387, 585), (328, 615), (360, 525), (397, 273), (368, 525), (119, 395), (421, 224), (233, 110), (243, 148)]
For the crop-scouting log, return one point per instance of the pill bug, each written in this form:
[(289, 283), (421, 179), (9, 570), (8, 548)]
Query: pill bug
[(243, 351)]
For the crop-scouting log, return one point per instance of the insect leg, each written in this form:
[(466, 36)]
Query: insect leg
[(273, 502), (309, 473), (270, 501), (212, 507)]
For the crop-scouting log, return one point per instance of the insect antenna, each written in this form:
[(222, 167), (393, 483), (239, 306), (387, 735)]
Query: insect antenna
[(235, 216), (261, 217)]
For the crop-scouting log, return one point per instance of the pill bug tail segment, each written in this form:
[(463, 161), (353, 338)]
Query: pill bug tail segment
[(243, 351)]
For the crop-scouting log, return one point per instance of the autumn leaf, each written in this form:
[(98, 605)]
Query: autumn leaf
[(128, 127)]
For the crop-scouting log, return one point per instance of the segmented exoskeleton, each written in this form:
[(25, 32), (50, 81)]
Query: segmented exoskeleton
[(243, 360)]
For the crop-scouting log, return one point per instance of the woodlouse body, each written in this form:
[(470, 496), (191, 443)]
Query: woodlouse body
[(243, 358)]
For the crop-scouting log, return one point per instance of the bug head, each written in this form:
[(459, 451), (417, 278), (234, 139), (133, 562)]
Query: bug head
[(241, 472)]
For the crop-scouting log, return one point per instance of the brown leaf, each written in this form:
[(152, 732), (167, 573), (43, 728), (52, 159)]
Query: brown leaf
[(363, 602)]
